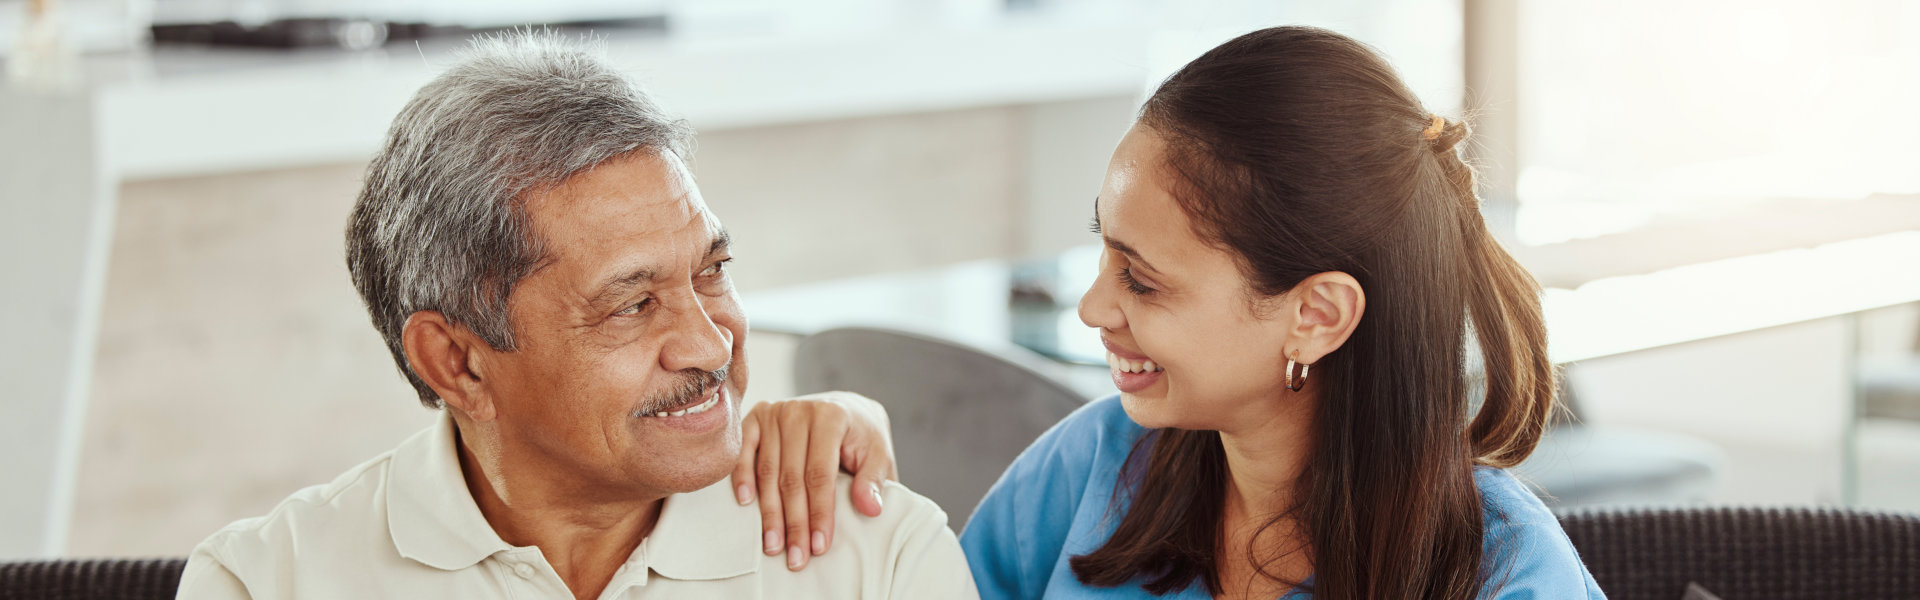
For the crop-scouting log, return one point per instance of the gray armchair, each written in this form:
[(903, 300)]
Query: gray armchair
[(960, 414)]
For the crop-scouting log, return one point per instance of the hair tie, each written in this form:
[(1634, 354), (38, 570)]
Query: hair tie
[(1432, 132)]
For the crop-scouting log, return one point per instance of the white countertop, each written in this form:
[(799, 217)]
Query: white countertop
[(174, 112), (1622, 314)]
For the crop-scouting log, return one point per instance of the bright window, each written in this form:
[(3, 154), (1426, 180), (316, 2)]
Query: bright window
[(1637, 112)]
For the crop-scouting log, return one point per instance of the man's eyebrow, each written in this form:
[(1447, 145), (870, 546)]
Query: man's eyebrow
[(721, 241), (1118, 245), (618, 286)]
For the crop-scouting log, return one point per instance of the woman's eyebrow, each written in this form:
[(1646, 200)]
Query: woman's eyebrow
[(1118, 245), (1132, 254)]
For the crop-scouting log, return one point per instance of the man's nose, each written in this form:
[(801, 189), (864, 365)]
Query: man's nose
[(696, 341)]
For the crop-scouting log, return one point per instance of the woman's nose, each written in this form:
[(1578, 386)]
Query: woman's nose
[(1098, 308)]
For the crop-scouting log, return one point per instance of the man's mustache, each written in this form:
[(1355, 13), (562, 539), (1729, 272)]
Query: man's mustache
[(693, 383)]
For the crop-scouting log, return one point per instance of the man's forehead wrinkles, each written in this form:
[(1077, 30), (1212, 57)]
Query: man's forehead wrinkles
[(682, 246)]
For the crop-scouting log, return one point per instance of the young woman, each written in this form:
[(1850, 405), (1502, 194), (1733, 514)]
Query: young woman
[(1294, 251)]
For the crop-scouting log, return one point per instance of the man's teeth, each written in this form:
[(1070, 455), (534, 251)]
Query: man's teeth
[(1131, 366), (691, 410)]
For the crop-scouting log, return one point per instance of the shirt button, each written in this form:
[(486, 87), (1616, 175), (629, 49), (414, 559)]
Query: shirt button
[(524, 570)]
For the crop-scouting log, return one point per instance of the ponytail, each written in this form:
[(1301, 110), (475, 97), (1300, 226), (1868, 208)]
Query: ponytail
[(1503, 301)]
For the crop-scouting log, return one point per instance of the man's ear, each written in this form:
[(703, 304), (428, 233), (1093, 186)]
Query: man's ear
[(1327, 308), (444, 355)]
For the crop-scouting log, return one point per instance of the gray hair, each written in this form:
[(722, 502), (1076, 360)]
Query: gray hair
[(440, 223)]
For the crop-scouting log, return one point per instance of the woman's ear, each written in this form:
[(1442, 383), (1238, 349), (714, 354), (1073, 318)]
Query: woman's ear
[(444, 355), (1328, 307)]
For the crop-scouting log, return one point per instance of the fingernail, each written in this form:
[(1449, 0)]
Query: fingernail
[(874, 488), (819, 543), (742, 494), (793, 557), (773, 542)]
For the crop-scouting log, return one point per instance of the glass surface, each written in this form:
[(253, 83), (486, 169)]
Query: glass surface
[(1033, 302)]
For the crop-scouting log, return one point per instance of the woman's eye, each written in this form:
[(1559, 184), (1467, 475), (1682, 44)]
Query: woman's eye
[(1133, 285), (636, 308)]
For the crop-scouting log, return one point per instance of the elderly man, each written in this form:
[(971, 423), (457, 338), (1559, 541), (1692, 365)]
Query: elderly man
[(543, 268)]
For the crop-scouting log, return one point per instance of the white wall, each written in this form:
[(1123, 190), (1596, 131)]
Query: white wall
[(55, 209)]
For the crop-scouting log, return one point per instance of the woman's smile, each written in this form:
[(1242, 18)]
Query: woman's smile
[(1132, 371)]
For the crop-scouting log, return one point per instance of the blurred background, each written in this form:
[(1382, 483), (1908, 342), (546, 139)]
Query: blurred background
[(1723, 198)]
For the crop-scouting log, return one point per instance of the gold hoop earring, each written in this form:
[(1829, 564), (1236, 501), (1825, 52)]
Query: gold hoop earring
[(1295, 385)]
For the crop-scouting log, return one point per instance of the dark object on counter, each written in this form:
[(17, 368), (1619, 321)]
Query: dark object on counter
[(356, 34)]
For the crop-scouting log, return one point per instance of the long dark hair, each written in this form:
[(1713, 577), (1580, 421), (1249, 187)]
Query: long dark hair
[(1301, 152)]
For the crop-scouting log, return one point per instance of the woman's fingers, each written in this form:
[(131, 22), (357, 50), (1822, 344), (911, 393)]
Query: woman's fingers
[(794, 435), (872, 465), (829, 427), (792, 453), (867, 453), (743, 490), (773, 521)]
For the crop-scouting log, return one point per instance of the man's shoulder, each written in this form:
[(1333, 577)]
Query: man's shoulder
[(902, 507), (907, 552), (320, 515), (903, 513)]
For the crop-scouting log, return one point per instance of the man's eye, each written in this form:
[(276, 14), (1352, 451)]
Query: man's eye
[(636, 308), (716, 269)]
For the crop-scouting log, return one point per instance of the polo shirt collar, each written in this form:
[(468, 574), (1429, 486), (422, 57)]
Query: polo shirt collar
[(430, 512), (704, 535), (701, 535)]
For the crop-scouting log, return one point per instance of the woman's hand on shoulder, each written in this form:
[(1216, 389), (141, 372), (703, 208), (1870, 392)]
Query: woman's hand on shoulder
[(791, 453)]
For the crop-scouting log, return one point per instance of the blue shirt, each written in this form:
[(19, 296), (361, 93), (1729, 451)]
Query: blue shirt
[(1052, 505)]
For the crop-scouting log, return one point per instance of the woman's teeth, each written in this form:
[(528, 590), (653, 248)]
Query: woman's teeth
[(1131, 366), (691, 410)]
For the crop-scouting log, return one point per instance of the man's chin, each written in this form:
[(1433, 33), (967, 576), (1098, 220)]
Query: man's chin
[(694, 475), (692, 467)]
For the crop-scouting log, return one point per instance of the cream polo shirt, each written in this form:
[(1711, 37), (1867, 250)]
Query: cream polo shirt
[(403, 525)]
